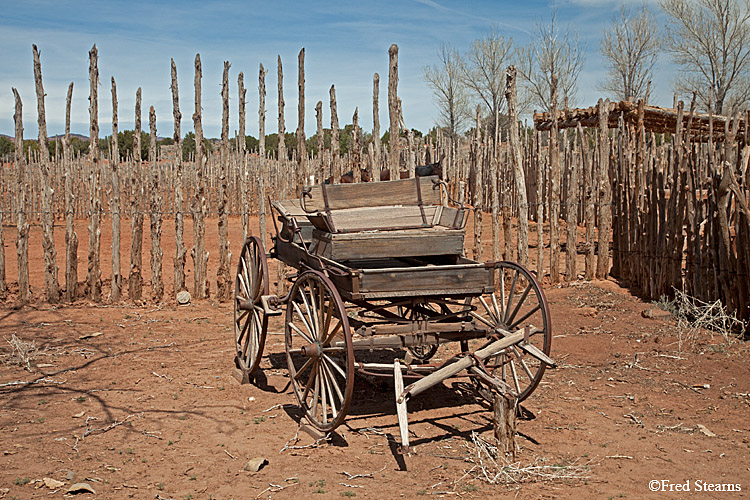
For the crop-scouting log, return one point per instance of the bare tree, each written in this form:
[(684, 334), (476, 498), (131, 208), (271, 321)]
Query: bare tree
[(552, 53), (483, 69), (710, 40), (630, 47), (449, 91)]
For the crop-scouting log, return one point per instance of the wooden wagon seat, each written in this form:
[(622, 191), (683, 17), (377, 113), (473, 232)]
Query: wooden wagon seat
[(402, 218)]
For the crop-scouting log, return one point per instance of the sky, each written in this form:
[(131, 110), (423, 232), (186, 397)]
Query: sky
[(345, 44)]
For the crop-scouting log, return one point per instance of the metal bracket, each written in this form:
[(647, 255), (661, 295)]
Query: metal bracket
[(270, 305)]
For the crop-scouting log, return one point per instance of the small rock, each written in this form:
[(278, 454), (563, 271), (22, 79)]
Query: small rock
[(255, 464), (52, 484), (183, 297), (70, 475), (81, 488)]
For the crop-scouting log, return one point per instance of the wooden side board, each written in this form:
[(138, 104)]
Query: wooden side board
[(396, 243)]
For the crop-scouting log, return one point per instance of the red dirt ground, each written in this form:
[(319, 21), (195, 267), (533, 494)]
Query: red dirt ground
[(148, 409)]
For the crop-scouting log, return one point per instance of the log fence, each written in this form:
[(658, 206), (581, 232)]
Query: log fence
[(609, 189)]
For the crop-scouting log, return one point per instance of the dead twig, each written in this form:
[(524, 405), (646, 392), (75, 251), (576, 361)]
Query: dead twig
[(295, 439), (91, 430), (356, 476), (43, 380)]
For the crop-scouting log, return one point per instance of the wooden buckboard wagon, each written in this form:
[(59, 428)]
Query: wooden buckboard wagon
[(381, 271)]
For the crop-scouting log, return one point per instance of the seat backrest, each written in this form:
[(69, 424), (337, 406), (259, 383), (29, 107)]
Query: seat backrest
[(402, 192)]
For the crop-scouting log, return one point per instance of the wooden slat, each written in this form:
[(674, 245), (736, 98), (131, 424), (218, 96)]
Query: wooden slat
[(379, 244), (369, 194)]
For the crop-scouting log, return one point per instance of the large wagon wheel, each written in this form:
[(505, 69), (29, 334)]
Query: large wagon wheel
[(319, 350), (517, 303), (250, 321)]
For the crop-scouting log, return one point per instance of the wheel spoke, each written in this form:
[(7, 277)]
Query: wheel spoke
[(304, 321), (330, 360), (510, 296), (300, 332), (526, 369), (521, 300), (310, 319), (525, 316), (490, 313), (515, 376), (307, 364)]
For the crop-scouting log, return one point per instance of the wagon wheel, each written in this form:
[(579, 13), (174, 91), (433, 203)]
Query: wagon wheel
[(250, 321), (319, 351), (519, 302), (422, 352)]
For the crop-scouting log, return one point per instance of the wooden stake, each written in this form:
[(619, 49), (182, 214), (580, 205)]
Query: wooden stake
[(301, 150), (518, 173), (554, 193), (336, 173), (320, 174), (262, 172), (504, 420), (48, 238), (605, 190), (93, 276), (572, 221), (356, 152), (22, 227), (199, 253), (155, 209), (376, 127), (71, 238), (135, 279), (394, 166), (477, 165), (180, 252), (223, 280), (282, 129), (114, 201)]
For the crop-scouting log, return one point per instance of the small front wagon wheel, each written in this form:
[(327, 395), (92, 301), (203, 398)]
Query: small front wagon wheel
[(517, 303), (250, 321), (319, 350)]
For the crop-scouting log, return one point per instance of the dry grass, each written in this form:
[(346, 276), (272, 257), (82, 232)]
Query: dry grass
[(491, 466), (694, 315), (21, 352)]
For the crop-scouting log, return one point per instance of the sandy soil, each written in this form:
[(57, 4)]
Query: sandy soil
[(137, 401)]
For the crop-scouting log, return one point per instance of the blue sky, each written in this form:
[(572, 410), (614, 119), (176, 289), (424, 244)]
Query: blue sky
[(345, 43)]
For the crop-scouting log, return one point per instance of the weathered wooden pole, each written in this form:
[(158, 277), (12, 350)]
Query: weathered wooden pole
[(320, 173), (114, 201), (199, 253), (478, 186), (540, 205), (135, 278), (263, 171), (22, 226), (572, 220), (394, 165), (301, 150), (409, 141), (504, 417), (223, 280), (245, 192), (335, 158), (155, 209), (376, 127), (51, 287), (518, 173), (554, 192), (282, 154), (180, 252), (356, 148), (605, 193), (94, 272)]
